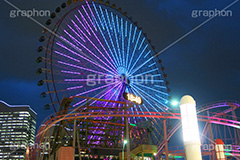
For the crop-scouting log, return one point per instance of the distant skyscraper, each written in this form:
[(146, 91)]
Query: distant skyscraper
[(17, 130)]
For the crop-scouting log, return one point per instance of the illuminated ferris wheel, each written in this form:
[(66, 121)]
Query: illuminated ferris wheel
[(95, 50)]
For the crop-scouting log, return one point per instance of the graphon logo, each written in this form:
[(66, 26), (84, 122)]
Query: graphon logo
[(211, 147), (211, 13), (94, 79), (15, 147), (29, 13)]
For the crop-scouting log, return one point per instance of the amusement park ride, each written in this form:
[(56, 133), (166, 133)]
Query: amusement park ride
[(109, 92)]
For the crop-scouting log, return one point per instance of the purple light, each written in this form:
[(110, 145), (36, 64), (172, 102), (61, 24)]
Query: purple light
[(95, 37), (70, 72), (67, 56), (82, 25), (91, 91), (90, 50), (86, 69), (91, 14), (73, 88), (79, 54)]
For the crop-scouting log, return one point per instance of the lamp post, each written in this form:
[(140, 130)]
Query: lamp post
[(219, 149), (191, 137), (124, 143)]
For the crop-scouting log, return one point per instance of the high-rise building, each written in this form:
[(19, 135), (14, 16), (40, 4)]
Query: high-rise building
[(17, 130)]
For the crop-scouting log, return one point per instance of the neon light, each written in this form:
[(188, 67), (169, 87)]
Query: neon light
[(69, 57), (151, 64), (91, 51), (98, 42), (123, 50), (81, 55), (74, 88), (116, 60), (134, 34), (128, 48), (134, 49), (114, 28), (138, 59)]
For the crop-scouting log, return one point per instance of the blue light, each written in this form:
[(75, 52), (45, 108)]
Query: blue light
[(138, 58), (128, 48), (134, 34), (123, 49), (135, 48), (122, 71)]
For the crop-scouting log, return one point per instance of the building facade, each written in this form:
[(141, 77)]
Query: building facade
[(17, 130)]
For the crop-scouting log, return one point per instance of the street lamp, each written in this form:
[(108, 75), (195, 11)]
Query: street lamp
[(191, 137), (124, 143), (174, 103)]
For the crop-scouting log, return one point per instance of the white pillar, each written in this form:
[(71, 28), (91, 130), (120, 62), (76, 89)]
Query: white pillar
[(190, 129)]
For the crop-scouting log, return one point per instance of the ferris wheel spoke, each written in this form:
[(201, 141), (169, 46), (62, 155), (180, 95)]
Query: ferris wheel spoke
[(69, 57), (134, 35), (128, 47), (91, 14), (91, 51), (113, 28), (76, 66), (74, 88), (150, 88), (138, 58), (87, 59), (149, 103), (78, 29), (115, 32), (123, 38), (159, 86), (82, 24), (117, 63), (89, 18), (90, 91), (118, 85), (142, 65), (151, 64), (116, 37), (109, 34), (97, 40), (100, 20), (143, 97), (146, 81), (144, 38), (153, 70), (133, 53), (152, 98), (126, 26), (163, 99), (104, 29)]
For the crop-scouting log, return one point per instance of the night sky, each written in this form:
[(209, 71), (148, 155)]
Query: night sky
[(204, 64)]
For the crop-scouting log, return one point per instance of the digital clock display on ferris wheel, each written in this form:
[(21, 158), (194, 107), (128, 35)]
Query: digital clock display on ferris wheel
[(132, 98)]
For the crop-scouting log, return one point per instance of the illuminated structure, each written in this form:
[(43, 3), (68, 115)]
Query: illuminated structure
[(104, 54), (190, 129), (17, 130), (219, 149)]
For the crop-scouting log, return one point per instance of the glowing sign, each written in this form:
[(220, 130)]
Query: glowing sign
[(132, 98)]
